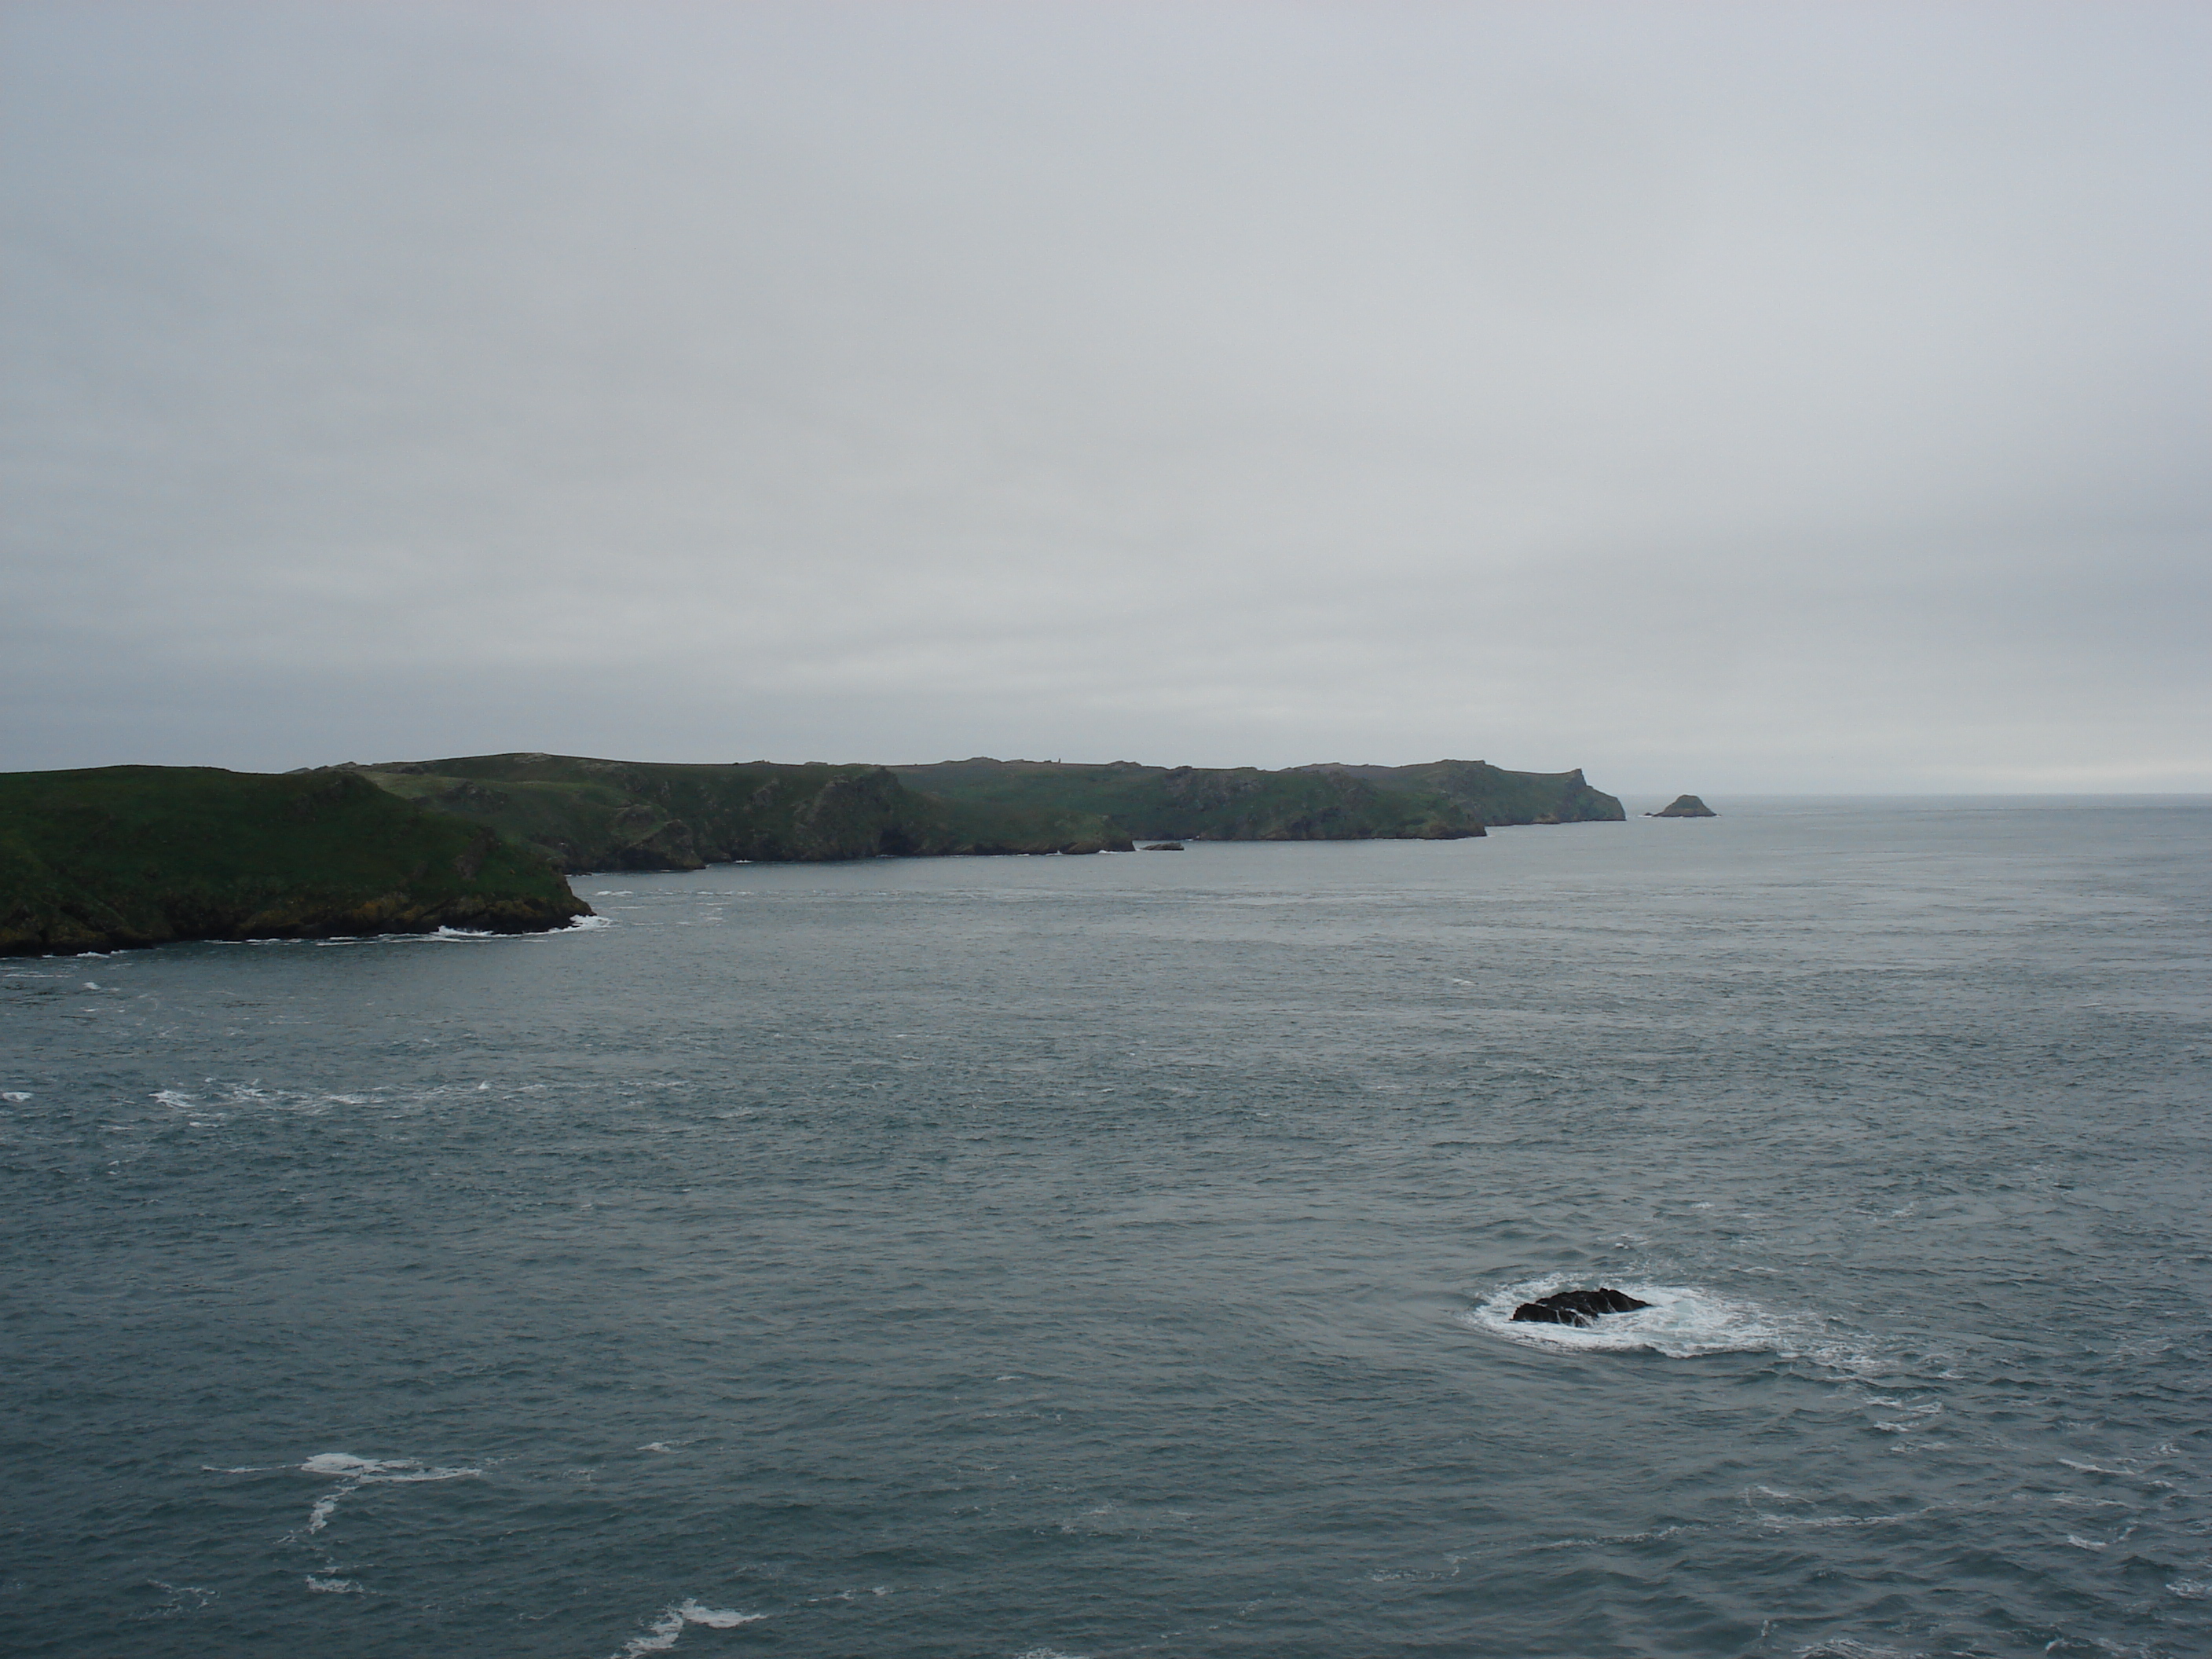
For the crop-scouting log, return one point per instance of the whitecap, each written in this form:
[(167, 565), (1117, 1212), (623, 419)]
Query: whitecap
[(14, 1097), (176, 1593), (354, 1473), (1602, 1539), (1682, 1322), (1822, 1522), (2190, 1589), (586, 923), (334, 1586), (347, 1463), (2096, 1468), (660, 1635)]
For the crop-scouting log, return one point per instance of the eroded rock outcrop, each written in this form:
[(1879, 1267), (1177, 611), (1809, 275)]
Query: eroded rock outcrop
[(1577, 1307)]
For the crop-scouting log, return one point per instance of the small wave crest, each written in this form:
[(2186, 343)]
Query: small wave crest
[(660, 1635), (1682, 1322), (352, 1473)]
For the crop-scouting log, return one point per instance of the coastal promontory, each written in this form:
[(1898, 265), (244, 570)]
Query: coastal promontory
[(129, 855)]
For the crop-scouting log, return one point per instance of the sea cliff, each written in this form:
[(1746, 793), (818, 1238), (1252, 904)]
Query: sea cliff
[(127, 855), (587, 814), (1437, 801)]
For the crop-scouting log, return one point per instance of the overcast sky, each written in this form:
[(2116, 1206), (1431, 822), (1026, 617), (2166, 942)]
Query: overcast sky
[(1724, 398)]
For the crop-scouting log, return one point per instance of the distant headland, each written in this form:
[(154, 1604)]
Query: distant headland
[(130, 855)]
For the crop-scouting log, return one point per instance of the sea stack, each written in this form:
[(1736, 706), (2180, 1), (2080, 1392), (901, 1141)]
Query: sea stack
[(1684, 806)]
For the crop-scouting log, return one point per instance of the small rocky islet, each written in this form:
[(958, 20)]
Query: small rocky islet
[(1584, 1308), (1684, 806)]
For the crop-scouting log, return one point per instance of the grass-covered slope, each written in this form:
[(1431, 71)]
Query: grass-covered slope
[(1490, 793), (1198, 803), (123, 855), (636, 815)]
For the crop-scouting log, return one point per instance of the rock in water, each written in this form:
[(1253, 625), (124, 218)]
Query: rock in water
[(1165, 847), (1684, 806), (1577, 1307)]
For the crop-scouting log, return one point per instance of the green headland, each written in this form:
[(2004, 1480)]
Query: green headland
[(122, 855), (143, 854)]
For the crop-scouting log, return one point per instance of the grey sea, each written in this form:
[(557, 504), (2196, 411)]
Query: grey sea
[(1114, 1255)]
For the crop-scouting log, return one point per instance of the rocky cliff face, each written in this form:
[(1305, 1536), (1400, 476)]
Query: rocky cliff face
[(1198, 803), (589, 814), (1491, 793), (128, 855)]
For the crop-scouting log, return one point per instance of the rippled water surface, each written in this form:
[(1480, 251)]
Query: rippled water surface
[(1103, 1256)]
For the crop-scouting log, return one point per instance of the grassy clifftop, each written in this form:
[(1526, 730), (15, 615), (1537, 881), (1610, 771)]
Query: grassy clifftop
[(588, 814), (124, 855)]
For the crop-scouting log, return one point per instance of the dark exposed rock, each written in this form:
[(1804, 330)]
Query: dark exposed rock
[(1163, 846), (1577, 1307), (1684, 806)]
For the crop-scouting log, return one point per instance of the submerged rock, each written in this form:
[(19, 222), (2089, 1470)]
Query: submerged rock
[(1577, 1307), (1165, 847), (1684, 806)]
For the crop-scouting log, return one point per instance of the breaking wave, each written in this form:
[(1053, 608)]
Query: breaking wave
[(660, 1635), (1682, 1322)]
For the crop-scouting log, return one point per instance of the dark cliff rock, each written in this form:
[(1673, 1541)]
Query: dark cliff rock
[(129, 855), (1490, 793), (1684, 806), (589, 814), (1577, 1307), (1193, 803)]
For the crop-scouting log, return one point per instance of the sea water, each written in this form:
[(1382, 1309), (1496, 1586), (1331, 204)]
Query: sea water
[(1097, 1256)]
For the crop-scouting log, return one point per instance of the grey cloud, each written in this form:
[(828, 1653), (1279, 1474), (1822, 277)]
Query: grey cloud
[(1731, 398)]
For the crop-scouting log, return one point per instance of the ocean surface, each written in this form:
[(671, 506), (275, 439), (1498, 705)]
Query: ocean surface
[(1111, 1255)]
